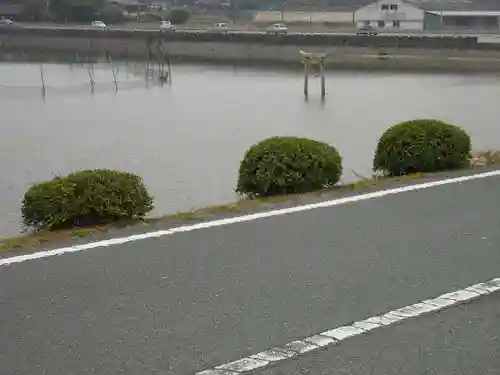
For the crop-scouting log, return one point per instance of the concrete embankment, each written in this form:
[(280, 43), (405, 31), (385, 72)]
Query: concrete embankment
[(346, 51)]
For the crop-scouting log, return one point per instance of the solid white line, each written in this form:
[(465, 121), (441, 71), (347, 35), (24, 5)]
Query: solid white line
[(243, 219), (337, 335)]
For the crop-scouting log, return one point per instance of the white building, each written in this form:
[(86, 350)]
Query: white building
[(389, 15)]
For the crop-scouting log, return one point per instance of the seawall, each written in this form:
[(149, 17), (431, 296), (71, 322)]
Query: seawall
[(346, 51)]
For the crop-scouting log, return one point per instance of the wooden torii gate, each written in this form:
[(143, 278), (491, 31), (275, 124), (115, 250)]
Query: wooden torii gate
[(313, 60)]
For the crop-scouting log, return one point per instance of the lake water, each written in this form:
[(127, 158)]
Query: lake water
[(186, 140)]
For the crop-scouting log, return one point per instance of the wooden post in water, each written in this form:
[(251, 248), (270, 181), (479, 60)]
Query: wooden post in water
[(91, 52), (160, 66), (148, 69), (164, 76), (161, 63), (43, 81), (148, 66), (169, 70), (91, 78), (311, 61), (306, 80), (323, 83), (113, 71)]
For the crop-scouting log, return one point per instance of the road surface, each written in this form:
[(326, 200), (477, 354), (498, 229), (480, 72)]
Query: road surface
[(184, 302), (483, 35), (463, 340)]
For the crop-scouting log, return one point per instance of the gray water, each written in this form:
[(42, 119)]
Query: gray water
[(186, 140)]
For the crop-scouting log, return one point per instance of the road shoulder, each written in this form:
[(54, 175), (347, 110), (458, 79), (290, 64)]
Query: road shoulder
[(52, 240)]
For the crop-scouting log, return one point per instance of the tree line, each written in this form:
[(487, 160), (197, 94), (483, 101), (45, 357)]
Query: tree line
[(70, 11)]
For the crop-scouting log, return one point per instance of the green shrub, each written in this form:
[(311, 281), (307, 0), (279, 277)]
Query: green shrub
[(421, 146), (178, 16), (285, 165), (85, 198)]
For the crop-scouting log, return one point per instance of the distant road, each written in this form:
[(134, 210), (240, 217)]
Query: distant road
[(483, 35)]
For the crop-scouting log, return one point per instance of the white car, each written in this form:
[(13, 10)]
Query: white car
[(166, 26), (277, 28), (6, 21), (219, 28), (99, 25)]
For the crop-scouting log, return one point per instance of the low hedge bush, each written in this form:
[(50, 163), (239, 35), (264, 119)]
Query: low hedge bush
[(285, 165), (422, 145), (85, 198)]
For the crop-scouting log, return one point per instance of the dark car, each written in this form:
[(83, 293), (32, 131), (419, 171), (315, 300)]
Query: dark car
[(367, 30)]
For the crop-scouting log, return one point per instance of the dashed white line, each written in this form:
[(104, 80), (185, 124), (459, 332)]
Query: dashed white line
[(337, 335), (243, 219)]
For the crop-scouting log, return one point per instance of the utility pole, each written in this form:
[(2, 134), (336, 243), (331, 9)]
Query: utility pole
[(234, 10), (47, 9)]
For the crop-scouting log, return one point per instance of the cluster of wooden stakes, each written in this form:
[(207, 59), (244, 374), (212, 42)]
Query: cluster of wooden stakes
[(314, 63)]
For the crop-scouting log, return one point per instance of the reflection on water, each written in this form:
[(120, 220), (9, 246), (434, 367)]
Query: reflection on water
[(187, 139)]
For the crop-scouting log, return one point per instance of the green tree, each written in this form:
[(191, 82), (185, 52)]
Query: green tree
[(34, 10), (178, 16), (111, 14), (75, 10)]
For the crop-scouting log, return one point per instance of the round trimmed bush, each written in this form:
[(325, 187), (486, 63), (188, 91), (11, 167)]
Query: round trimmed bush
[(422, 145), (285, 165), (84, 198)]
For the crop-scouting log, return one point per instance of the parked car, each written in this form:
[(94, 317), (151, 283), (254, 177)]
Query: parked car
[(219, 28), (99, 25), (367, 30), (167, 26), (277, 28)]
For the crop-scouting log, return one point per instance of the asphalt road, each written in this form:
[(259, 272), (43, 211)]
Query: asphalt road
[(190, 301), (464, 340)]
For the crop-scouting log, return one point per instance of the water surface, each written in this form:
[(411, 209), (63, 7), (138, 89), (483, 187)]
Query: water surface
[(186, 140)]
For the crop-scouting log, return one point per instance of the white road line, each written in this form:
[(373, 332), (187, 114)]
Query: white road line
[(243, 219), (339, 334)]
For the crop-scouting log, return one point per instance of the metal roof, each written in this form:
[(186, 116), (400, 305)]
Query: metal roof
[(466, 13), (456, 5)]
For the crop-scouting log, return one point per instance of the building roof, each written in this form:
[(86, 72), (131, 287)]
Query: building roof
[(456, 5), (428, 5), (466, 13)]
